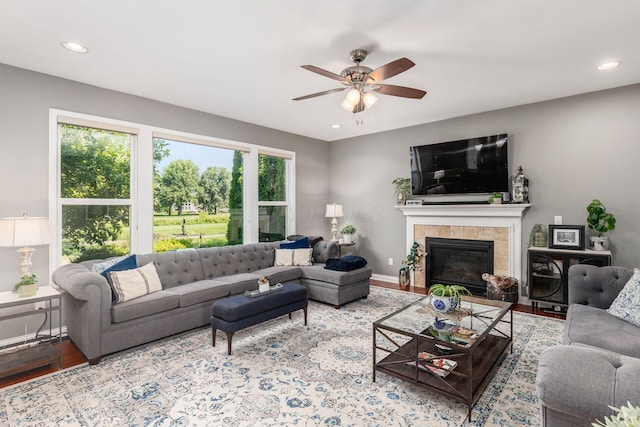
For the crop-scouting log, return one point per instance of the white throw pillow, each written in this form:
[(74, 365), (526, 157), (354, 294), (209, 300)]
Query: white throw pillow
[(293, 257), (99, 267), (626, 306), (129, 284)]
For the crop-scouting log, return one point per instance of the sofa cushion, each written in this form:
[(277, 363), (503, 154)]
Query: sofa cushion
[(595, 327), (197, 292), (626, 306), (296, 244), (318, 272), (146, 305), (103, 266), (122, 264), (280, 274), (130, 284), (312, 239), (238, 283), (288, 257)]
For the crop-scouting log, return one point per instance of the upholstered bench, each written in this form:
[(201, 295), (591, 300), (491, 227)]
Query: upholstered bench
[(240, 311)]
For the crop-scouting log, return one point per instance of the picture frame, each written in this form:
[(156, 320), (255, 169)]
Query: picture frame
[(566, 237)]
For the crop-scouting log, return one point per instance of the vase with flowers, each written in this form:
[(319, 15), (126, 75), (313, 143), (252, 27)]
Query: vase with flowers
[(263, 284), (410, 264)]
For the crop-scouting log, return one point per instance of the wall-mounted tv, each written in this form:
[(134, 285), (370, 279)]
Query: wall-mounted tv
[(467, 166)]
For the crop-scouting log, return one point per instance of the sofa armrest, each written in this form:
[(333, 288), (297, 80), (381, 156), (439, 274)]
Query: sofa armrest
[(325, 249), (75, 279), (92, 295), (596, 286), (583, 381)]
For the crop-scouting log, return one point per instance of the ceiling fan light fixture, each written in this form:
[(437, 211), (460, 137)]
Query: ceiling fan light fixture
[(353, 96), (369, 99), (347, 106)]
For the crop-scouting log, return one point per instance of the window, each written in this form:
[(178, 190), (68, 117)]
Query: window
[(95, 192), (272, 198), (120, 187), (192, 194)]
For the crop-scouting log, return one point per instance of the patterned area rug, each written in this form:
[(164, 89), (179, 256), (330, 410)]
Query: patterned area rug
[(280, 373)]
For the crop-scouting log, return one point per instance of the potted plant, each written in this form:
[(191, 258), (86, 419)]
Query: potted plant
[(347, 232), (27, 286), (600, 221), (403, 189), (410, 264), (495, 198), (625, 416), (446, 298)]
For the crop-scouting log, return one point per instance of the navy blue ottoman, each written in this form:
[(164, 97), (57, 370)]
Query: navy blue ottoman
[(240, 311)]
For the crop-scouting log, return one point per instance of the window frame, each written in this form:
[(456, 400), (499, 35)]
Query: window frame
[(141, 186)]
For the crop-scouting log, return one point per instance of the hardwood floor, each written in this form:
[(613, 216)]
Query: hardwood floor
[(71, 356)]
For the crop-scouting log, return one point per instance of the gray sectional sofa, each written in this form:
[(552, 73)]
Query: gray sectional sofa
[(598, 363), (191, 281)]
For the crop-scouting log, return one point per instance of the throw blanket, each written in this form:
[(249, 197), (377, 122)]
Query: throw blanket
[(346, 263)]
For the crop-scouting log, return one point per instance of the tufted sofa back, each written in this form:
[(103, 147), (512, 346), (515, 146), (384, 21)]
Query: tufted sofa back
[(175, 268), (227, 260), (596, 286)]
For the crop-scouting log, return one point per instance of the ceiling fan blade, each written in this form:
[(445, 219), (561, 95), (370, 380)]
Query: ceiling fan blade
[(325, 73), (313, 95), (391, 69), (359, 107), (405, 92)]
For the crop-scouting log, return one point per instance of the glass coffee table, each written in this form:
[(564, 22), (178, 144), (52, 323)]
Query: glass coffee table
[(453, 354)]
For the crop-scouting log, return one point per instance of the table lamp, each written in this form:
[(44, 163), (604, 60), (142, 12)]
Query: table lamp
[(334, 211), (24, 232)]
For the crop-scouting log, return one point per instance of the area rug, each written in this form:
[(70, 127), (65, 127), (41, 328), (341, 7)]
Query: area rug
[(281, 373)]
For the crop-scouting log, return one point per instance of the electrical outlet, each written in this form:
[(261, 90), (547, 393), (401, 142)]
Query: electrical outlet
[(41, 305), (390, 261), (557, 220)]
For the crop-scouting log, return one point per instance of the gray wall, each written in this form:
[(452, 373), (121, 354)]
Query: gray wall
[(24, 146), (572, 150)]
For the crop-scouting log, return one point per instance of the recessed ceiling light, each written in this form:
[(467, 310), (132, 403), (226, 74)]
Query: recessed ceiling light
[(608, 65), (335, 126), (74, 47)]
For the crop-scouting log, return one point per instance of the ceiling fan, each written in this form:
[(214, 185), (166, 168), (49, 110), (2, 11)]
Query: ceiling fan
[(363, 81)]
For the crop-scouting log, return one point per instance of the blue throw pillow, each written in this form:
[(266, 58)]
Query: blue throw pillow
[(129, 263), (298, 244)]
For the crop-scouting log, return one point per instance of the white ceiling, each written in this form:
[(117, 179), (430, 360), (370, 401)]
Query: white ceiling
[(241, 58)]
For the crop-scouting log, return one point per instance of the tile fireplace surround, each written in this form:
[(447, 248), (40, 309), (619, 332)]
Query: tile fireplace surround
[(501, 224)]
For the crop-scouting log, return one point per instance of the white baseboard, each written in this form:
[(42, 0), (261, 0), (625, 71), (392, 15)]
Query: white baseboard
[(384, 278)]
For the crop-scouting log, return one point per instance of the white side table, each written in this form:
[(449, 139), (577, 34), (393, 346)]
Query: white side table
[(32, 354)]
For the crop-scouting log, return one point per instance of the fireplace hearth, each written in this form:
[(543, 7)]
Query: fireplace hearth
[(458, 262)]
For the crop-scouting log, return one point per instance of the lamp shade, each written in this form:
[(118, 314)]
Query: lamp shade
[(333, 211), (24, 231)]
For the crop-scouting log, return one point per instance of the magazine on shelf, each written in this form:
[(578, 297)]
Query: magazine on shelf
[(437, 365), (464, 335)]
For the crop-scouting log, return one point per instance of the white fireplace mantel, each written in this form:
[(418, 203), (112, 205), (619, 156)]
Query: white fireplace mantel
[(477, 210), (474, 215)]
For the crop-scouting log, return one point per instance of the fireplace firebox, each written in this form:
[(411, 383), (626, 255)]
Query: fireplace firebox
[(458, 262)]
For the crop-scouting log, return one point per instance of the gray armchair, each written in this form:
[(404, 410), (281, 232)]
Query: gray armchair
[(598, 363)]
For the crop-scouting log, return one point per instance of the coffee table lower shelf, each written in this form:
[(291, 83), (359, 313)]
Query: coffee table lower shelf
[(464, 384)]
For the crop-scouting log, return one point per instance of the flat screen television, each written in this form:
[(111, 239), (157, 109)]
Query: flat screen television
[(467, 166)]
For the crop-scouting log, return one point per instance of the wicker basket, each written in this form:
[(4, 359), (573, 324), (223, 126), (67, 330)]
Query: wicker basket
[(510, 294)]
